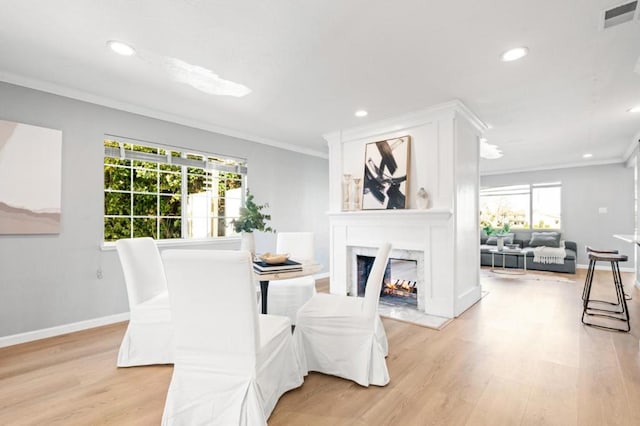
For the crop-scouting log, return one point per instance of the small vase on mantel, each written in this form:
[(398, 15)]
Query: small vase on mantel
[(357, 193), (422, 199), (346, 192), (248, 243)]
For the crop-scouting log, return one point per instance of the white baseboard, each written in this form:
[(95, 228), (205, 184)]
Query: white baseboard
[(30, 336), (606, 267)]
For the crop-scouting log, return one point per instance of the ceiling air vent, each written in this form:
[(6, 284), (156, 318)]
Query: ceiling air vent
[(620, 14)]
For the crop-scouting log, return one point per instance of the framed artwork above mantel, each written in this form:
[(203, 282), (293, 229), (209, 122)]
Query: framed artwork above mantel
[(386, 174)]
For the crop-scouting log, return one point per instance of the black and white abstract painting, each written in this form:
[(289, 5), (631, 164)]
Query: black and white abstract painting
[(386, 174)]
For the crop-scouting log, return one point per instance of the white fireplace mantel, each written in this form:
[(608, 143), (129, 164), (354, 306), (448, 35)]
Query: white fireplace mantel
[(402, 228), (410, 214)]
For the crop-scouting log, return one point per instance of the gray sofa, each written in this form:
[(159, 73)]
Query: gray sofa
[(522, 239)]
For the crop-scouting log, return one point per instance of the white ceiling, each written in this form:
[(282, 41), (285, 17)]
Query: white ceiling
[(311, 64)]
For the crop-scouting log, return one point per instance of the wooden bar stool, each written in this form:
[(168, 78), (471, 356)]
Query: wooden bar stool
[(618, 311)]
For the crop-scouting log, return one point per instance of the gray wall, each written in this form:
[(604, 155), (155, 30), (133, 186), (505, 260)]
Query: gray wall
[(584, 191), (47, 281)]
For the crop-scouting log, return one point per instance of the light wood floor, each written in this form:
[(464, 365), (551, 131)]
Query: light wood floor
[(520, 356)]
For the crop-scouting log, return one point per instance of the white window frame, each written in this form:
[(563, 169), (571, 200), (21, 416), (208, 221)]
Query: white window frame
[(526, 188), (210, 162)]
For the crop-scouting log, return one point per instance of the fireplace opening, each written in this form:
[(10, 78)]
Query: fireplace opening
[(400, 282)]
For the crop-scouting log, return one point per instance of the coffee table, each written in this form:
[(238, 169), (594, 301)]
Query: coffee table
[(505, 253)]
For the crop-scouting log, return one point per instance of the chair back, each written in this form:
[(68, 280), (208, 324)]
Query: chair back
[(142, 268), (299, 245), (213, 308), (374, 281)]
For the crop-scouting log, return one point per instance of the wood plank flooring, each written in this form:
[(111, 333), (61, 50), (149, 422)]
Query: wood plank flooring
[(518, 357)]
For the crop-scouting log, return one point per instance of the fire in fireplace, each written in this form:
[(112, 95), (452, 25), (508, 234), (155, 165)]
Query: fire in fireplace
[(400, 283)]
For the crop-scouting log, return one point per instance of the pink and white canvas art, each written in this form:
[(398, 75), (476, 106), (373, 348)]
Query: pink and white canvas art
[(30, 179)]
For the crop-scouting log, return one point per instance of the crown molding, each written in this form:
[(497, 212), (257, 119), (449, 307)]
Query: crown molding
[(83, 96), (406, 121), (462, 109), (553, 167), (632, 149)]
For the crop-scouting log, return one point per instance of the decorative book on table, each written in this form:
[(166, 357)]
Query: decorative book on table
[(286, 266)]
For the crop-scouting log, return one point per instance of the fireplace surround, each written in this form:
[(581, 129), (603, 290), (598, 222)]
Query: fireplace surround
[(399, 284), (446, 285), (415, 288)]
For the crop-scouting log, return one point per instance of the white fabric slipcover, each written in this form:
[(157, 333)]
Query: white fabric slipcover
[(285, 297), (232, 365), (149, 335), (342, 335)]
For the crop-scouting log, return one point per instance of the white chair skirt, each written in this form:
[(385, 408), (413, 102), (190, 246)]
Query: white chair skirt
[(149, 336), (199, 394), (285, 297), (332, 337)]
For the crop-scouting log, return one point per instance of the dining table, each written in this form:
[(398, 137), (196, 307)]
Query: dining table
[(265, 278)]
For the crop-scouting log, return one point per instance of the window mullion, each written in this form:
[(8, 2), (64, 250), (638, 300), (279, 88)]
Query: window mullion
[(158, 200), (530, 207), (133, 170), (184, 189)]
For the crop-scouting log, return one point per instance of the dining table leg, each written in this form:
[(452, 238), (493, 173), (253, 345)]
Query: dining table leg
[(264, 287)]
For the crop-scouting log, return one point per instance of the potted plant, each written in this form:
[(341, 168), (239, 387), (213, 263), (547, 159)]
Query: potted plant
[(499, 233), (251, 219)]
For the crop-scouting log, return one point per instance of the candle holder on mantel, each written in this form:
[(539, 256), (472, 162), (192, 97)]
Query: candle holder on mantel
[(357, 193), (346, 189)]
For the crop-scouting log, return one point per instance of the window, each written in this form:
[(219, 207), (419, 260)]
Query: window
[(165, 193), (535, 206)]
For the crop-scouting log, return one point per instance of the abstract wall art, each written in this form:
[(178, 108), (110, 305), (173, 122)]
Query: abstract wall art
[(386, 174), (30, 179)]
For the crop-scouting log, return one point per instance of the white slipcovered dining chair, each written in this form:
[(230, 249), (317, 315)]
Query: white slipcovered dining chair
[(149, 336), (343, 335), (287, 296), (232, 365)]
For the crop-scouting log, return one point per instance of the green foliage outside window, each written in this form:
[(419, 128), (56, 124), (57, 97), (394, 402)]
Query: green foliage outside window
[(145, 198), (489, 229)]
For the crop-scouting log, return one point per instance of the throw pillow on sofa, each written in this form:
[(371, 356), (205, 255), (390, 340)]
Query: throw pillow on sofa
[(547, 239), (506, 238)]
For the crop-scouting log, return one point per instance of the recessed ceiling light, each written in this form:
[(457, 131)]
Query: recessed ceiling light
[(121, 48), (514, 54), (634, 109), (361, 113), (587, 155)]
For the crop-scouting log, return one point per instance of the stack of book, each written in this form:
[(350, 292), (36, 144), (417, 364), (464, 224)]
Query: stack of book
[(263, 268)]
